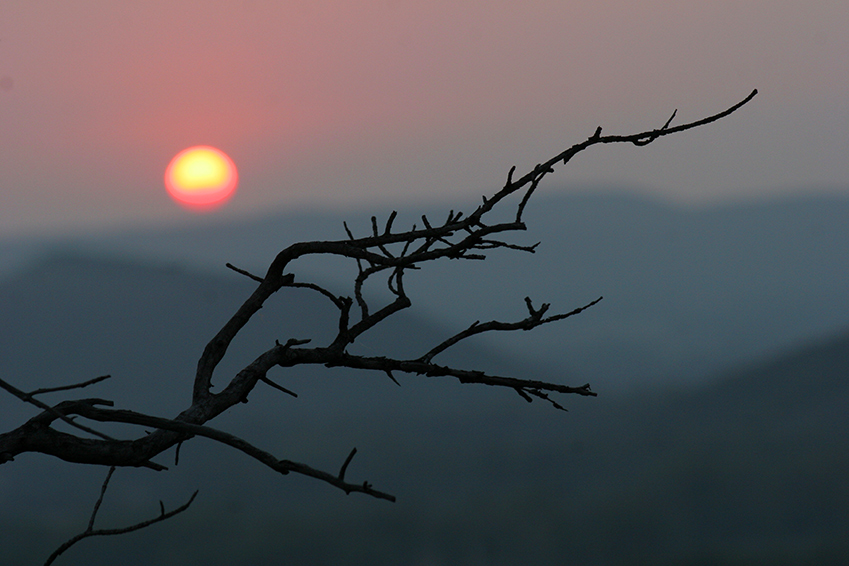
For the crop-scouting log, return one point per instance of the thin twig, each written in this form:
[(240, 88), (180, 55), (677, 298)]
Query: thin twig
[(245, 273), (344, 468), (67, 387), (107, 532), (277, 387), (100, 499)]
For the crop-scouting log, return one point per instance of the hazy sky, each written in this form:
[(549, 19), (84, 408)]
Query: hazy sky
[(336, 103)]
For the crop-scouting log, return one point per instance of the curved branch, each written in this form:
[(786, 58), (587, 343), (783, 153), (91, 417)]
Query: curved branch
[(86, 408), (532, 321), (80, 385)]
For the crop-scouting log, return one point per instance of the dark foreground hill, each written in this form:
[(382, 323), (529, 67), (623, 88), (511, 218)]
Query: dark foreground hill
[(749, 469)]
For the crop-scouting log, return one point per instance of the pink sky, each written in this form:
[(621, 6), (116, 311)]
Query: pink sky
[(345, 104)]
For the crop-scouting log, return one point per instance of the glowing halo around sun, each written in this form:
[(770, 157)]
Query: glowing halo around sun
[(201, 178)]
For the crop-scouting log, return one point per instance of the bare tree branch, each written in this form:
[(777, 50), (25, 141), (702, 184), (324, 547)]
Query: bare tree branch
[(458, 237), (96, 449), (419, 367), (385, 251)]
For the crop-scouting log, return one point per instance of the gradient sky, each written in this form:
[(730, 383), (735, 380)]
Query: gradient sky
[(334, 103)]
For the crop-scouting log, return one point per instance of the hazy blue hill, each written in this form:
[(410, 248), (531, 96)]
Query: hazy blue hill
[(748, 468), (693, 291), (810, 380), (688, 291), (751, 469)]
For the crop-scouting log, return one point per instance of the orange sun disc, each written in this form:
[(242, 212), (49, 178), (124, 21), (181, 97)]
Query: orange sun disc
[(201, 177)]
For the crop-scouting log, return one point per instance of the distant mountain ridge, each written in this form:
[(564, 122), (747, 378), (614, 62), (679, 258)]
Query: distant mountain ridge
[(688, 291)]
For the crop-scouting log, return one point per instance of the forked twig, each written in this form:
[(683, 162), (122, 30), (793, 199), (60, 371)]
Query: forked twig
[(91, 532)]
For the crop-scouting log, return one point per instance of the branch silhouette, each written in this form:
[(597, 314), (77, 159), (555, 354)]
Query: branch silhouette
[(386, 251)]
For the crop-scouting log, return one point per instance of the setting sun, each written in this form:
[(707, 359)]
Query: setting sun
[(201, 178)]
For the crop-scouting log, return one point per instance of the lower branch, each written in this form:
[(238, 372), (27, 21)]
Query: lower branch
[(87, 409)]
